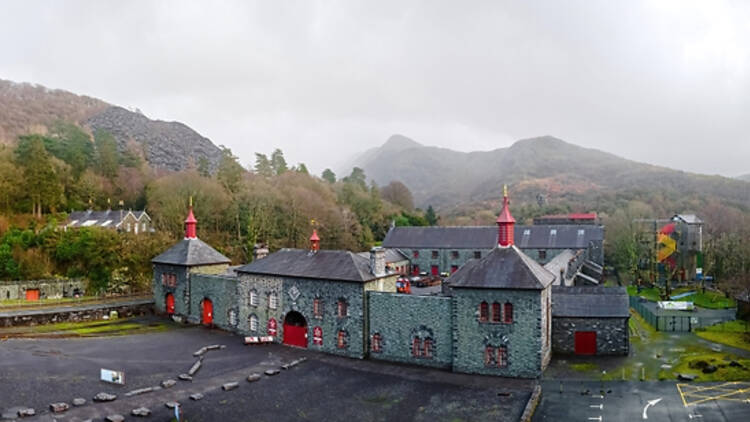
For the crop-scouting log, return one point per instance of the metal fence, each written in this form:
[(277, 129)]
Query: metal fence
[(672, 320)]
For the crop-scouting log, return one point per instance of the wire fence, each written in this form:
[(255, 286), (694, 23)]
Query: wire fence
[(672, 320)]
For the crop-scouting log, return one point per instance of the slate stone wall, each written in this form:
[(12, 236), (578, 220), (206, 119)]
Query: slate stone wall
[(180, 290), (523, 337), (444, 260), (48, 288), (222, 291), (398, 318), (298, 294), (612, 336)]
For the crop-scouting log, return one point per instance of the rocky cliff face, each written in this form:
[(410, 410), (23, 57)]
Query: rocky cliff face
[(167, 145)]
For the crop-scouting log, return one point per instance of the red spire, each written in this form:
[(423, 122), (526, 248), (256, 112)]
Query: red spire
[(315, 241), (505, 223), (190, 222)]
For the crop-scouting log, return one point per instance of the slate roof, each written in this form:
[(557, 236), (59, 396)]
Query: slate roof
[(688, 218), (558, 236), (502, 268), (391, 256), (601, 302), (108, 219), (323, 264), (560, 263), (191, 252)]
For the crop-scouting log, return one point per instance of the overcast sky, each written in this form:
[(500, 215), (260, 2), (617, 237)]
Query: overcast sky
[(664, 82)]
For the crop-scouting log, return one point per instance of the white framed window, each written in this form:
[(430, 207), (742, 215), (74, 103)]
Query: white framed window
[(232, 317), (253, 298), (273, 301), (253, 323)]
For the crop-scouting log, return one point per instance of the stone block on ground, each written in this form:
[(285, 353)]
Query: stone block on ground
[(230, 386), (200, 352), (196, 366), (271, 372), (79, 401), (115, 418), (168, 383), (25, 412), (185, 377), (196, 396), (141, 411), (139, 391), (171, 404), (253, 377), (105, 397), (59, 407)]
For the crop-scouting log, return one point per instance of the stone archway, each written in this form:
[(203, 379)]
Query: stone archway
[(295, 329)]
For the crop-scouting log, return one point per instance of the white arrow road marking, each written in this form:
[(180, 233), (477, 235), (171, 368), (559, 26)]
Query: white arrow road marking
[(596, 419), (650, 403), (597, 406), (597, 397), (694, 416)]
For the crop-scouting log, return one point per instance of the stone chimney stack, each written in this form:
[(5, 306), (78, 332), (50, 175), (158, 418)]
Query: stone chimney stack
[(259, 251), (377, 261)]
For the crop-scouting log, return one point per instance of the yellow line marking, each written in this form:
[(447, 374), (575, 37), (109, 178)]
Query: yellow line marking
[(690, 394)]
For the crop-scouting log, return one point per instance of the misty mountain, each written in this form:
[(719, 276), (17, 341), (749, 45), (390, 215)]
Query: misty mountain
[(745, 177), (28, 108), (544, 166)]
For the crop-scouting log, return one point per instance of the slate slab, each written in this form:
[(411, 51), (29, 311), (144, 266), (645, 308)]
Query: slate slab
[(141, 412), (105, 397), (230, 386)]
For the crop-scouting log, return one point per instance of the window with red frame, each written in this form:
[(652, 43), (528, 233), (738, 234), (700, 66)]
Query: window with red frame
[(508, 313), (415, 347), (502, 357), (341, 339), (483, 311), (416, 254), (342, 310), (317, 309), (376, 343), (496, 312), (318, 336), (271, 327), (489, 356), (427, 348)]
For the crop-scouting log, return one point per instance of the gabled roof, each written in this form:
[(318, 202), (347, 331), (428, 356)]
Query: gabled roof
[(559, 264), (602, 302), (190, 253), (108, 219), (323, 264), (391, 256), (557, 236), (688, 218), (502, 268)]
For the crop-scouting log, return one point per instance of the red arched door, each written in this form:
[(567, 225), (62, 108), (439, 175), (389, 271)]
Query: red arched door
[(295, 329), (170, 303), (208, 312)]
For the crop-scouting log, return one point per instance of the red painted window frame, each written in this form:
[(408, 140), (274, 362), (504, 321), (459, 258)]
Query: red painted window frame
[(427, 348), (342, 309), (376, 343), (508, 313), (502, 356), (341, 339), (496, 313), (317, 308), (489, 354), (483, 312), (317, 336), (415, 343)]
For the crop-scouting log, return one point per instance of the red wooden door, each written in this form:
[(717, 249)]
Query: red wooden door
[(434, 270), (295, 336), (32, 294), (208, 312), (170, 303), (585, 342)]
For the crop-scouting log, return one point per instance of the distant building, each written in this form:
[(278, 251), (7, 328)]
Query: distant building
[(120, 220), (574, 218), (395, 261), (690, 246)]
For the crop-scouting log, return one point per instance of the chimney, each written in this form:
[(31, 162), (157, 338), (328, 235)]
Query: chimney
[(377, 261), (505, 223), (314, 241), (259, 251), (190, 223)]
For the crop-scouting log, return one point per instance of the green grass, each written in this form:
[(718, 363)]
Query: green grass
[(584, 367), (732, 333), (688, 364), (117, 327), (709, 299)]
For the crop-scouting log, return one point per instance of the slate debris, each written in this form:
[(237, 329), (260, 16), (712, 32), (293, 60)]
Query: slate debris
[(79, 401), (168, 383), (25, 412), (105, 397), (230, 386), (171, 404), (686, 377), (185, 377), (59, 407), (141, 412), (271, 372), (139, 391), (253, 377), (196, 366), (196, 396), (115, 418)]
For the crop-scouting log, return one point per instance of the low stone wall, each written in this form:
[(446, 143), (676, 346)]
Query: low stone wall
[(612, 336), (75, 313)]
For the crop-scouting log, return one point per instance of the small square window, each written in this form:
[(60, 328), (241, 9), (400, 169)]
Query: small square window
[(454, 254), (341, 340), (317, 308), (342, 309), (376, 343), (435, 254), (416, 254), (542, 254), (253, 298), (477, 255)]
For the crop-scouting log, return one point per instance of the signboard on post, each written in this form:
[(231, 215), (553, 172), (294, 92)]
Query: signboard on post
[(115, 377)]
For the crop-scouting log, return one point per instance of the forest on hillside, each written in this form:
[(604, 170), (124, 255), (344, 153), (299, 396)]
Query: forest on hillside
[(45, 176)]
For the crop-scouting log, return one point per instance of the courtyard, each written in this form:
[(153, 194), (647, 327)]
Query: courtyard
[(38, 371)]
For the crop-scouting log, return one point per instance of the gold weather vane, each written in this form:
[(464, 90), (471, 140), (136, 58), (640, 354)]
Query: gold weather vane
[(191, 200), (505, 191)]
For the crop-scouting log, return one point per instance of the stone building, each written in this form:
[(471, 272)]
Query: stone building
[(495, 319), (41, 289), (120, 220), (590, 320), (445, 249)]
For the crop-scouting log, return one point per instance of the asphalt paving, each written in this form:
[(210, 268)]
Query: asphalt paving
[(37, 372), (631, 401)]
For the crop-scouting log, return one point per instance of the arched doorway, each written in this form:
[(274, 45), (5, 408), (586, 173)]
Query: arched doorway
[(169, 302), (207, 314), (295, 329)]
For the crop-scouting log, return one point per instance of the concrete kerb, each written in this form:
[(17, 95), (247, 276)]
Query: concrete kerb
[(528, 411)]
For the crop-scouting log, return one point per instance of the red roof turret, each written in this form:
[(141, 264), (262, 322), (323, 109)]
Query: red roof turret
[(314, 241), (505, 223), (190, 223)]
